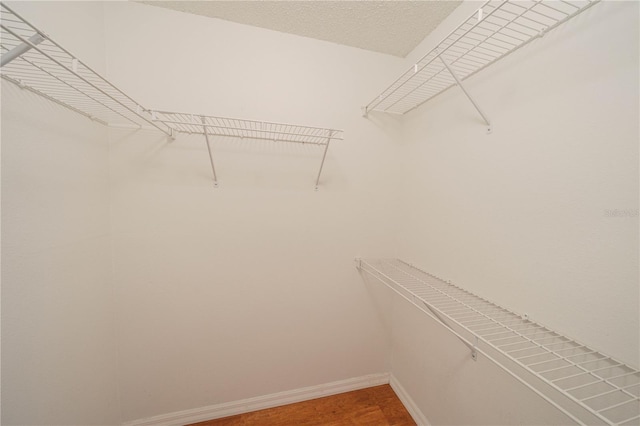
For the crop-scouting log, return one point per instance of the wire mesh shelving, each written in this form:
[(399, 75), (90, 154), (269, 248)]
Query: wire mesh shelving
[(207, 126), (588, 386), (495, 30), (33, 61)]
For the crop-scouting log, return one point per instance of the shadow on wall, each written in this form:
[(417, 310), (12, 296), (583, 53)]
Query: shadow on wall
[(37, 110), (390, 125)]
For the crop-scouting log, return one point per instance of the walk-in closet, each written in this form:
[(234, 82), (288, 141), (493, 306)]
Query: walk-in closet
[(218, 207)]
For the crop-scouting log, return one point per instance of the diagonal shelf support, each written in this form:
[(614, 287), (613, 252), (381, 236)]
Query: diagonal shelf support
[(324, 156), (206, 136), (472, 347), (467, 94), (430, 310), (17, 51)]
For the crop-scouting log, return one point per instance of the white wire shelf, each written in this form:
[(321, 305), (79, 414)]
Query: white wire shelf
[(33, 61), (589, 386), (498, 28), (207, 126), (250, 129)]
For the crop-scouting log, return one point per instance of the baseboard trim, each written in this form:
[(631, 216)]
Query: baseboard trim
[(217, 411), (408, 402)]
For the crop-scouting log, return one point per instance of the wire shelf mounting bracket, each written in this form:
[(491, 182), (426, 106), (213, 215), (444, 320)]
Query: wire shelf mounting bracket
[(324, 156), (586, 385), (12, 54), (432, 312), (206, 136), (472, 346), (466, 92)]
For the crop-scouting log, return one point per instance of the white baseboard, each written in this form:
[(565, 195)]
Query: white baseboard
[(410, 405), (217, 411)]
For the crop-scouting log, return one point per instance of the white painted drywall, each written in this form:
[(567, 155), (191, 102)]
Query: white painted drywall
[(58, 337), (248, 289), (522, 216)]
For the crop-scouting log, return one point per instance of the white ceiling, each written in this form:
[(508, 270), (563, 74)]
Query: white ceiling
[(392, 27)]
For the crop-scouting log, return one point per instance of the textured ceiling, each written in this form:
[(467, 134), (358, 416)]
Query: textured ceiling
[(392, 27)]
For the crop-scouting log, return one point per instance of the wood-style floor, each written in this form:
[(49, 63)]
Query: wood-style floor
[(376, 406)]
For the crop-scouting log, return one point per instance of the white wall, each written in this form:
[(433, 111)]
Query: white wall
[(58, 339), (248, 289), (520, 216)]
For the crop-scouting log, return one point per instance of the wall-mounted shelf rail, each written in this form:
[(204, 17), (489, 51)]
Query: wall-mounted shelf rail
[(588, 386), (496, 29), (250, 129), (33, 61)]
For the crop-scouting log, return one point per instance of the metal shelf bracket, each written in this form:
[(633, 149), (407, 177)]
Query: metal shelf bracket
[(471, 346), (206, 136), (467, 94), (35, 39), (324, 156)]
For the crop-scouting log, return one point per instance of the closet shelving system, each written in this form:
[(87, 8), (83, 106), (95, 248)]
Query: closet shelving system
[(588, 386), (250, 129), (33, 61), (495, 30)]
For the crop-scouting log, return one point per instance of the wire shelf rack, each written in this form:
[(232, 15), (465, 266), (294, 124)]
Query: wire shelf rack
[(250, 129), (589, 386), (207, 126), (498, 28), (33, 61)]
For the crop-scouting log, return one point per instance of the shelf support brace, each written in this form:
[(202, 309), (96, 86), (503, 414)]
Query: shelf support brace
[(474, 351), (206, 136), (432, 312), (459, 83), (37, 38), (324, 156)]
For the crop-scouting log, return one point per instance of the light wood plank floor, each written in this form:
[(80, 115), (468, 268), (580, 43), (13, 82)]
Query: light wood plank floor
[(375, 406)]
